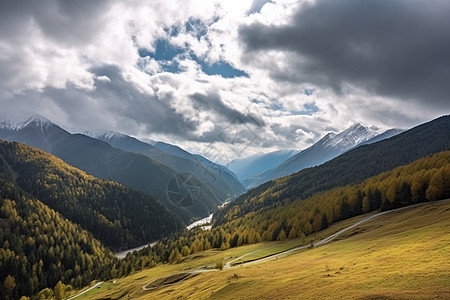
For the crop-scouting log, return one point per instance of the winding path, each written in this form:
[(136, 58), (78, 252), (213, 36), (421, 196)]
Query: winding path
[(85, 291), (229, 265), (324, 241)]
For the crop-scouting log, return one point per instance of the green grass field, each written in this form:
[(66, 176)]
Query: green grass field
[(400, 255), (91, 293), (267, 250)]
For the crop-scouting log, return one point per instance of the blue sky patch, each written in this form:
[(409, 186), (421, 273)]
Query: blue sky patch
[(308, 92), (166, 53), (309, 110), (221, 68), (276, 105), (164, 50), (256, 101)]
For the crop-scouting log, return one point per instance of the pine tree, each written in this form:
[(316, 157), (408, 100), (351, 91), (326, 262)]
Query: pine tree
[(59, 291), (281, 235), (436, 188), (317, 222), (10, 285), (366, 205), (185, 251), (292, 233), (324, 222), (345, 210), (175, 256)]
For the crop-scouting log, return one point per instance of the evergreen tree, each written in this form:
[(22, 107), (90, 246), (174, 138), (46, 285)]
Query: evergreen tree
[(365, 205), (59, 291)]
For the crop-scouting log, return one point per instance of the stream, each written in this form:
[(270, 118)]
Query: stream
[(203, 221)]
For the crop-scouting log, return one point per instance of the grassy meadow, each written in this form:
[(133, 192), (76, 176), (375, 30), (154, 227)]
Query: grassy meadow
[(400, 255)]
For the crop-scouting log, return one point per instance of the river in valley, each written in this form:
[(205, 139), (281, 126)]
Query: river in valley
[(203, 222)]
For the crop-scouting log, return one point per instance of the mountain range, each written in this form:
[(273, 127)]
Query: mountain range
[(350, 167), (258, 169), (218, 177), (247, 167), (131, 168)]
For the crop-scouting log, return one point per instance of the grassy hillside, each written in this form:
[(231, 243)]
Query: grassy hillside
[(116, 215), (400, 255), (350, 168)]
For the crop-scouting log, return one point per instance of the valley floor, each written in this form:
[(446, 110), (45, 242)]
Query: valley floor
[(399, 255)]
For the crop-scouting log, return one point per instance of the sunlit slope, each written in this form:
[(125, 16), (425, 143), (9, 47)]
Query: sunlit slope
[(31, 233), (400, 255)]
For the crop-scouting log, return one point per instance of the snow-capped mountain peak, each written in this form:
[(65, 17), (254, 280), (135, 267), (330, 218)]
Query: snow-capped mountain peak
[(103, 134), (35, 119), (329, 137), (352, 136), (7, 125), (148, 141)]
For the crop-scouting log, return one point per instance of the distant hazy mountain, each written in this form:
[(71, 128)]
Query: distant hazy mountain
[(221, 181), (252, 165), (174, 150), (100, 159), (329, 147), (223, 172), (212, 166)]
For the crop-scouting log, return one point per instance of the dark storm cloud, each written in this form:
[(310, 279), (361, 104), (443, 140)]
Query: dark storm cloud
[(123, 99), (116, 104), (213, 103), (391, 48), (65, 21)]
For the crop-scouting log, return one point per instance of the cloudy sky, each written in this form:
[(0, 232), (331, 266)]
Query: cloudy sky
[(226, 78)]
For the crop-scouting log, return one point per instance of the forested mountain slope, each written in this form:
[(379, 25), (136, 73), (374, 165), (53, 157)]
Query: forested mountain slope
[(100, 159), (39, 247), (218, 178), (426, 179), (116, 215), (349, 168)]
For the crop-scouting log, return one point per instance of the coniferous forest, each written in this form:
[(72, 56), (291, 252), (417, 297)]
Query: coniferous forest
[(117, 216)]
